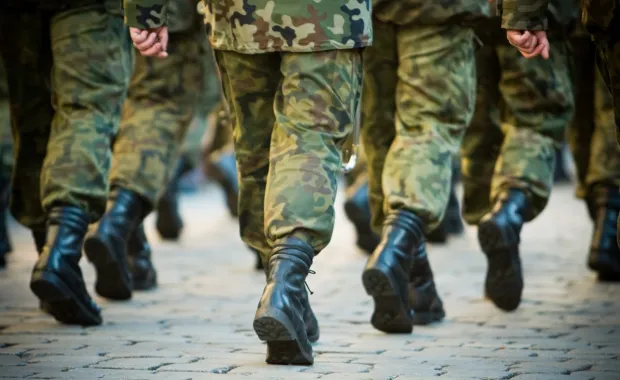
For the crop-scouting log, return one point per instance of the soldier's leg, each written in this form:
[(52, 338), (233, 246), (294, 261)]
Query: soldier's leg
[(250, 84), (378, 112), (602, 185), (434, 104), (156, 115), (6, 164), (539, 100), (483, 138)]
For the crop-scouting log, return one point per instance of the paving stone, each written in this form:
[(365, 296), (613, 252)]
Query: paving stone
[(198, 323)]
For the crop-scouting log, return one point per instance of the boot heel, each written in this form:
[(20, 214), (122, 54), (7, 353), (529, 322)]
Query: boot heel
[(112, 281), (61, 302), (390, 315), (284, 346)]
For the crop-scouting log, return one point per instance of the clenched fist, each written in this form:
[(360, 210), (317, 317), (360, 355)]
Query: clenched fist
[(529, 43), (150, 42)]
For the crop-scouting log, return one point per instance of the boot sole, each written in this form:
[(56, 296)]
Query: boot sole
[(428, 317), (231, 195), (283, 344), (61, 302), (503, 285), (113, 279), (148, 284), (390, 314), (366, 239)]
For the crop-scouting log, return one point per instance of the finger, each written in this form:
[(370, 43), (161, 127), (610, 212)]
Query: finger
[(150, 41), (137, 35), (534, 53), (163, 38), (152, 51), (545, 50)]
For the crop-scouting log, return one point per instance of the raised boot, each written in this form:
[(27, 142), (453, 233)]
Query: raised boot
[(282, 309), (312, 324), (423, 295), (169, 223), (387, 272), (56, 278), (223, 169), (106, 248), (499, 237), (141, 267), (604, 256), (357, 209)]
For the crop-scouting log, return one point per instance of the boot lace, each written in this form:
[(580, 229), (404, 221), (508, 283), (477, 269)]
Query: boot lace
[(306, 282)]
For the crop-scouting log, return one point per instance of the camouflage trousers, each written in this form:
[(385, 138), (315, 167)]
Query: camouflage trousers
[(419, 91), (293, 112), (162, 100), (62, 147), (522, 109), (591, 135), (209, 101)]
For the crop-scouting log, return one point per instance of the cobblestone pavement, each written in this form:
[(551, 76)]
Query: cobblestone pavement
[(198, 324)]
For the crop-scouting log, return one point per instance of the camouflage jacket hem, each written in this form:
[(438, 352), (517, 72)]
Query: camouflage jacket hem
[(523, 14), (145, 14), (251, 48)]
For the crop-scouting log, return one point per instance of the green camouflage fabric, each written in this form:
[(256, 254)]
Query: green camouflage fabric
[(259, 26), (209, 103), (597, 15), (64, 157), (429, 12), (591, 135), (182, 15), (522, 109), (6, 139), (419, 93), (162, 100), (292, 112)]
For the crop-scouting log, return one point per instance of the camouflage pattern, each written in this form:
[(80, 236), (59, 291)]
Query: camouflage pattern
[(6, 139), (293, 113), (522, 109), (419, 89), (429, 12), (597, 15), (259, 26), (591, 135), (163, 99), (64, 157), (537, 14)]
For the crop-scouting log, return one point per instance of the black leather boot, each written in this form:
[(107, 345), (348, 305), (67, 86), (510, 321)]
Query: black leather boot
[(499, 237), (604, 256), (357, 209), (169, 223), (312, 324), (56, 278), (423, 295), (223, 169), (139, 258), (106, 248), (282, 310), (387, 272)]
